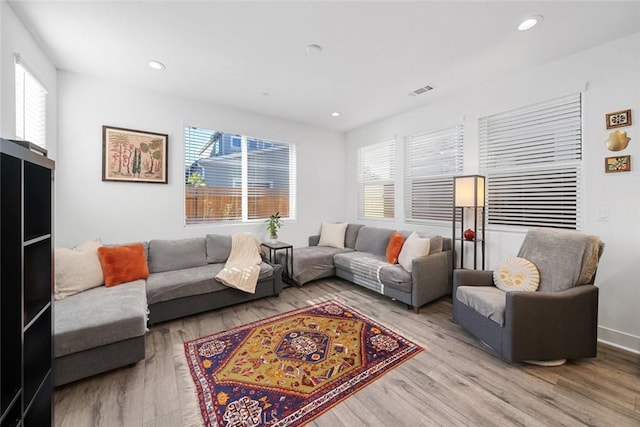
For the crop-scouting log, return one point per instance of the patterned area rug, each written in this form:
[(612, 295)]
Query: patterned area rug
[(287, 369)]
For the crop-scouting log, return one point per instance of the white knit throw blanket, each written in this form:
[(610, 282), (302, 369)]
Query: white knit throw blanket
[(243, 266)]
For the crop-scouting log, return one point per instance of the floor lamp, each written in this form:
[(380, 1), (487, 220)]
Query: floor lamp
[(469, 193)]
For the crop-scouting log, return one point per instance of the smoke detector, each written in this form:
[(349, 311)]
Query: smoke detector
[(314, 50)]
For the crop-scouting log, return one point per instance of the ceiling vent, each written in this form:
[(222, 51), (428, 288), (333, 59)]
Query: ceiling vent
[(421, 90)]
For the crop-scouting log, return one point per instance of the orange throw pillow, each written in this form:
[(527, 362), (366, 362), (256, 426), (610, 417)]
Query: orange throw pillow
[(393, 247), (121, 264)]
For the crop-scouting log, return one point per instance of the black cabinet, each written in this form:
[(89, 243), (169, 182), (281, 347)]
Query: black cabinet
[(26, 286)]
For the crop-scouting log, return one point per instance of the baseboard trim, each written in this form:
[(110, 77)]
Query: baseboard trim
[(618, 339)]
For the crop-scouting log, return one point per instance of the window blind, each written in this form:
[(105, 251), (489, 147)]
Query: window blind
[(270, 179), (376, 193), (431, 161), (532, 159), (31, 106), (231, 177)]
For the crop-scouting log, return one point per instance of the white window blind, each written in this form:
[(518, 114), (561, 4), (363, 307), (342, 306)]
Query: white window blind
[(376, 194), (231, 177), (431, 161), (31, 106), (270, 178), (532, 159)]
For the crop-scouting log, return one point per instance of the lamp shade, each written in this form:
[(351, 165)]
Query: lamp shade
[(468, 191)]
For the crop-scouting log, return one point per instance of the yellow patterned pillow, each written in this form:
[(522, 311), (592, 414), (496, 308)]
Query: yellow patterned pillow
[(516, 274)]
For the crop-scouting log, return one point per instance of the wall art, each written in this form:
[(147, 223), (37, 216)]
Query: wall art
[(134, 156), (617, 164), (619, 119), (617, 141)]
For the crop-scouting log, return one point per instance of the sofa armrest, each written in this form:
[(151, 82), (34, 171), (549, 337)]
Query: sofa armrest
[(464, 277), (552, 325), (431, 277), (277, 277), (314, 240)]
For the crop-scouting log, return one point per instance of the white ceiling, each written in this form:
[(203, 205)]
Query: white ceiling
[(374, 53)]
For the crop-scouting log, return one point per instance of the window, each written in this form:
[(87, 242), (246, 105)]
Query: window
[(31, 106), (431, 161), (532, 158), (376, 180), (232, 177)]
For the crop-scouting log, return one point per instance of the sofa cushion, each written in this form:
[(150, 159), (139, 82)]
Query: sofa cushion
[(168, 255), (332, 235), (564, 258), (387, 274), (396, 277), (351, 235), (373, 240), (435, 244), (488, 301), (414, 247), (169, 285), (393, 247), (343, 260), (516, 274), (218, 248), (77, 269), (99, 316), (122, 264), (312, 262), (144, 244)]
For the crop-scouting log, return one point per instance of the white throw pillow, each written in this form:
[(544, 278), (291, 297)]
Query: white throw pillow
[(516, 274), (332, 235), (77, 269), (414, 247)]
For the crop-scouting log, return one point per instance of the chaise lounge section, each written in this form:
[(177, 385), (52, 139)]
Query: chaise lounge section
[(104, 328), (98, 330)]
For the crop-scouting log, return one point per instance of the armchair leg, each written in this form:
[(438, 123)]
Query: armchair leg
[(416, 309)]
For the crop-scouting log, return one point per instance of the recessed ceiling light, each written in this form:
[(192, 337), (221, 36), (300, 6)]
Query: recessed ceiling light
[(530, 22), (156, 65), (314, 50), (336, 114)]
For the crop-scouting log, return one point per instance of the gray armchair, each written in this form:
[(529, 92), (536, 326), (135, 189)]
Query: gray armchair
[(558, 321)]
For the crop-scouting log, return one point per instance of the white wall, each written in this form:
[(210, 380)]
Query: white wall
[(121, 212), (14, 38), (610, 75)]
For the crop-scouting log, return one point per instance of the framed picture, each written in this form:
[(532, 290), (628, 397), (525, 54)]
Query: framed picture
[(134, 156), (619, 119), (617, 164)]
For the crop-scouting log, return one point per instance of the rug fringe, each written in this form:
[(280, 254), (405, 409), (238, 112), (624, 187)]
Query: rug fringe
[(187, 392)]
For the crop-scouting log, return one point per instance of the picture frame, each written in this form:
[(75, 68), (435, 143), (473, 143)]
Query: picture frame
[(130, 155), (619, 119), (617, 164)]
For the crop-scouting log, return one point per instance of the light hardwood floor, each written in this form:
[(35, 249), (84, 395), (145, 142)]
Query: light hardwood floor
[(455, 381)]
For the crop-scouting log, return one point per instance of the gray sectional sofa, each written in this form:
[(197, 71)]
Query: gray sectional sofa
[(104, 328), (363, 262)]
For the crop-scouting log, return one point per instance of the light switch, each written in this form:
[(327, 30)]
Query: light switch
[(603, 214)]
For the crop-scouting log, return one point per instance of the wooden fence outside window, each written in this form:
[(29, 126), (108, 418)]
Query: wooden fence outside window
[(213, 204)]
